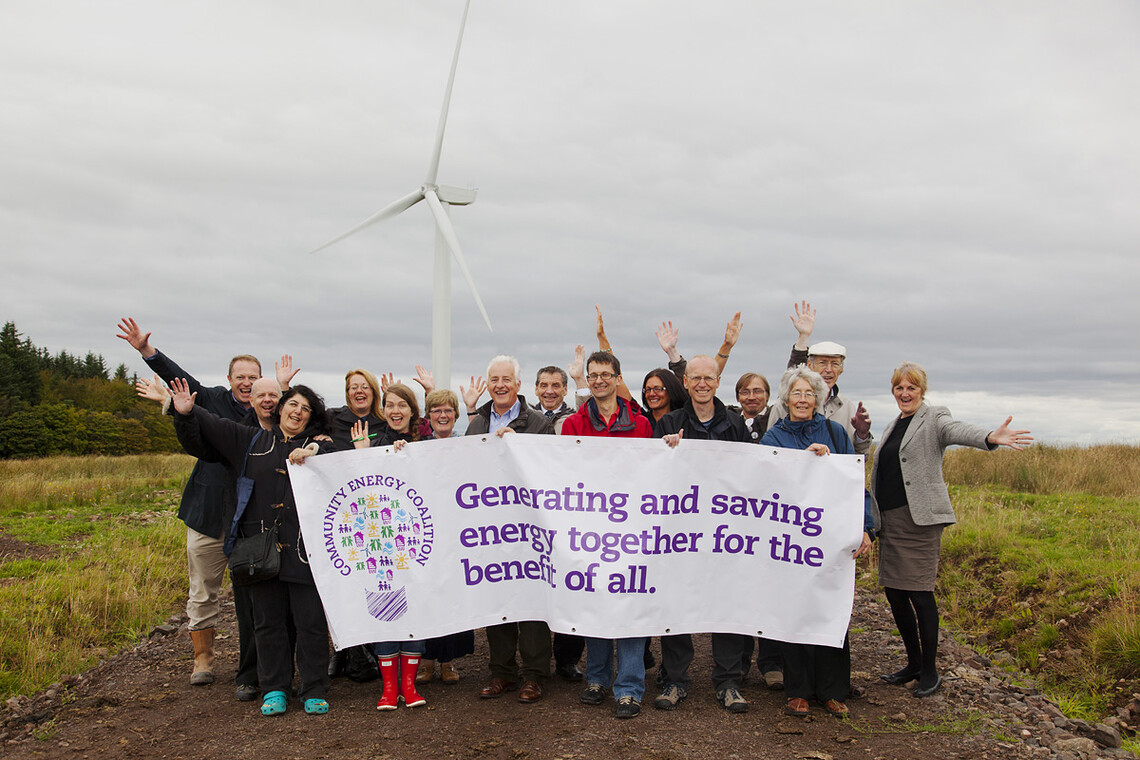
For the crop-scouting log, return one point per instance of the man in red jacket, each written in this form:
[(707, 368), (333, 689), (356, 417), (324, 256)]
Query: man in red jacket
[(607, 414)]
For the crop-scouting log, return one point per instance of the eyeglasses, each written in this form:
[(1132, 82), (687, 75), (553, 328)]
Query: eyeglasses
[(647, 390), (802, 394), (355, 388), (439, 412), (702, 379), (750, 392), (826, 363), (594, 376)]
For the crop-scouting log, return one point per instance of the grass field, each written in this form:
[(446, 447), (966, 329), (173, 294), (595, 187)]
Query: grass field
[(94, 555), (1044, 563)]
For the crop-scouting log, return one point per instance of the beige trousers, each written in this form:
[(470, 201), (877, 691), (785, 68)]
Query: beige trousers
[(206, 563)]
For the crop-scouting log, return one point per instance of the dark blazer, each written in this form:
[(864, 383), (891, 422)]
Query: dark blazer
[(920, 458), (528, 421)]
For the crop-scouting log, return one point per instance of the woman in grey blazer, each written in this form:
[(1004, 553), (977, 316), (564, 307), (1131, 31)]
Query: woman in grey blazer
[(912, 506)]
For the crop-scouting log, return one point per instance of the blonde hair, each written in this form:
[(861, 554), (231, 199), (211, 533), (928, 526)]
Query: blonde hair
[(912, 372), (372, 383), (441, 397)]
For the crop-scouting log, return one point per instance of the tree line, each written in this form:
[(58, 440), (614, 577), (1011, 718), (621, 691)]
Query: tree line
[(68, 404)]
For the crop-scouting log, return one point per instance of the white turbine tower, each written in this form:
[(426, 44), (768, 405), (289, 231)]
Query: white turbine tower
[(438, 198)]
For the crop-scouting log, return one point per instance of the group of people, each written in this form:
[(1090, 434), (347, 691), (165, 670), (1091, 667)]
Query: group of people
[(243, 436)]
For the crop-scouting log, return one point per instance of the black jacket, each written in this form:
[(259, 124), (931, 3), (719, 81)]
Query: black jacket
[(724, 426), (528, 421), (341, 421), (272, 497), (204, 498)]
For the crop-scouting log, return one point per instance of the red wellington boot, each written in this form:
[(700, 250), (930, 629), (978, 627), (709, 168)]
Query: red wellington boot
[(391, 693), (409, 665)]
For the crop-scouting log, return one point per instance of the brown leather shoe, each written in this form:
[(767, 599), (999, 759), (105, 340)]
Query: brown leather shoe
[(495, 688), (798, 707), (530, 692), (448, 673), (426, 671)]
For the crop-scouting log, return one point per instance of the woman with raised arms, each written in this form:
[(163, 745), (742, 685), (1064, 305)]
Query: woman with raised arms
[(913, 506)]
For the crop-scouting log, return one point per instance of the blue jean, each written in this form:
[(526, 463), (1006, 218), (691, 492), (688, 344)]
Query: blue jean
[(630, 678), (393, 648)]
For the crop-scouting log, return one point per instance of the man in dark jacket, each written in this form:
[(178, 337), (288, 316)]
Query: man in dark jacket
[(703, 417), (204, 498), (507, 413)]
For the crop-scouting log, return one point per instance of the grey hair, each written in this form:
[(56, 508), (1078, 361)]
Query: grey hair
[(818, 386), (505, 359)]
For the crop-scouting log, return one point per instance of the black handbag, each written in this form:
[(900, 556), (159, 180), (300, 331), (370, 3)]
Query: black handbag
[(255, 558)]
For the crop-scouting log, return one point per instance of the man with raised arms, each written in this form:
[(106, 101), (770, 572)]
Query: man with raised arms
[(703, 417), (506, 413), (826, 358), (606, 414), (202, 507)]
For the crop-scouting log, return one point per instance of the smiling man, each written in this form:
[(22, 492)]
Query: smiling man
[(507, 413), (828, 359), (704, 417), (550, 387), (608, 415), (204, 498)]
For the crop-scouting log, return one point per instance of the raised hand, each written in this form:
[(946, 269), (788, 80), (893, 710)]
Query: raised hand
[(804, 322), (359, 434), (577, 368), (861, 422), (600, 327), (155, 390), (425, 378), (732, 330), (1014, 439), (130, 331), (385, 381), (667, 337), (472, 392), (285, 371), (181, 396)]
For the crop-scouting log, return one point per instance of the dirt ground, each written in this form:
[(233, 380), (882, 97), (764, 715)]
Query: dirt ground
[(140, 705)]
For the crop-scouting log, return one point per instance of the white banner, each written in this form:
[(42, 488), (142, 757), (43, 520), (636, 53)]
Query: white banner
[(596, 536)]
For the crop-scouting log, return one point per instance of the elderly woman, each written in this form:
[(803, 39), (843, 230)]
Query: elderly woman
[(290, 598), (812, 670), (362, 397), (442, 411), (913, 506)]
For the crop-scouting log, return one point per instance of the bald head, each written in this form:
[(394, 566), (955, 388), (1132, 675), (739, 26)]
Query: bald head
[(264, 397)]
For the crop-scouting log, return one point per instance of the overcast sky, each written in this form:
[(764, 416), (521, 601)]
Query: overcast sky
[(956, 184)]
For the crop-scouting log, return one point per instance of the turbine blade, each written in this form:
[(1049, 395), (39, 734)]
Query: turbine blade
[(448, 233), (433, 167), (387, 212)]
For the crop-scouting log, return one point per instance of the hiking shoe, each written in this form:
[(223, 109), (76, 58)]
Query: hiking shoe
[(774, 680), (593, 694), (627, 707), (670, 697), (732, 700)]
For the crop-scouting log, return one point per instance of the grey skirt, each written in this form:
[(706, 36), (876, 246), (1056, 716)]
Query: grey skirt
[(908, 553)]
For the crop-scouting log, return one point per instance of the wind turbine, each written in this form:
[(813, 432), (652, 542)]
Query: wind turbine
[(439, 198)]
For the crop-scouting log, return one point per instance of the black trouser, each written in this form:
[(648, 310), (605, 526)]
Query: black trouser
[(676, 657), (530, 639), (769, 655), (729, 651), (568, 649), (814, 671), (275, 603), (247, 647)]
